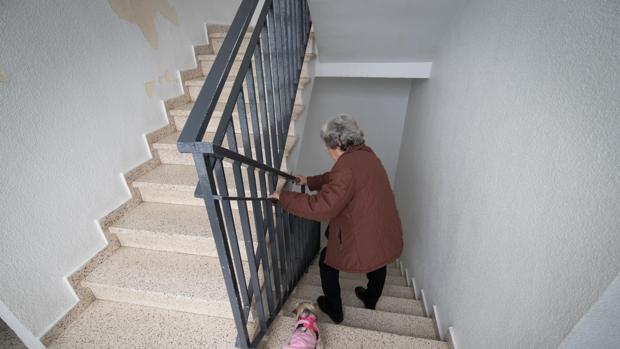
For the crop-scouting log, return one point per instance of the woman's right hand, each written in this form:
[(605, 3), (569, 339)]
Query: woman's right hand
[(301, 180)]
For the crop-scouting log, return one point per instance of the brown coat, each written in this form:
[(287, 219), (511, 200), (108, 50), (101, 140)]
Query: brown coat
[(365, 230)]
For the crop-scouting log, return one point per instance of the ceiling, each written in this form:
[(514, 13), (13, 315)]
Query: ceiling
[(381, 31)]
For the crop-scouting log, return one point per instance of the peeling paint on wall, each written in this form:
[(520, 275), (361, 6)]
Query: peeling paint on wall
[(142, 13), (148, 86)]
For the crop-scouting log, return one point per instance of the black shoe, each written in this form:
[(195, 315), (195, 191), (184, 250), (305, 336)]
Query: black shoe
[(336, 316), (359, 292)]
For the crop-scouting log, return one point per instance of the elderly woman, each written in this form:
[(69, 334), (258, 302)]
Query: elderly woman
[(364, 232)]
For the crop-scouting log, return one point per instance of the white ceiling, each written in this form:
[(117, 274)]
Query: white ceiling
[(382, 30)]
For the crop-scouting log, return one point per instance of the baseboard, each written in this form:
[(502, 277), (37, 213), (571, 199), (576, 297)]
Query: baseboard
[(424, 304), (451, 338), (435, 317), (415, 288), (433, 312)]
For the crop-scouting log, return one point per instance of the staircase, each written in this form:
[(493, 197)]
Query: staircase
[(162, 285), (397, 322)]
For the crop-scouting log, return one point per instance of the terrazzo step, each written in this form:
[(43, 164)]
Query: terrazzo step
[(397, 280), (167, 280), (339, 336), (388, 290), (206, 62), (180, 118), (386, 303), (401, 324), (173, 228), (169, 154), (195, 85), (106, 324), (217, 39), (175, 184)]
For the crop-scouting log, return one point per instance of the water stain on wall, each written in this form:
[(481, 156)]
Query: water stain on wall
[(142, 13), (2, 76), (148, 87)]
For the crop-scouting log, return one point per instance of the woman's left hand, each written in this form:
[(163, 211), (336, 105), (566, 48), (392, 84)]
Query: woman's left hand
[(275, 195)]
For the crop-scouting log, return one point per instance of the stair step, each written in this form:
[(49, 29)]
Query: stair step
[(340, 336), (210, 57), (168, 153), (180, 120), (386, 303), (206, 62), (217, 39), (389, 279), (175, 184), (185, 109), (106, 324), (167, 280), (174, 228), (195, 85), (388, 290), (376, 320)]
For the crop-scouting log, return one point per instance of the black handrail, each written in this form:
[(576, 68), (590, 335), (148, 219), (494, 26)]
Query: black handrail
[(263, 95)]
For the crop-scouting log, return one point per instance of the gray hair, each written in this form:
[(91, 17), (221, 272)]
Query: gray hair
[(342, 132)]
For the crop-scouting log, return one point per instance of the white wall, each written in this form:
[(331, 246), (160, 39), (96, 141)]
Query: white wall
[(509, 176), (599, 327), (74, 108), (379, 106), (381, 31)]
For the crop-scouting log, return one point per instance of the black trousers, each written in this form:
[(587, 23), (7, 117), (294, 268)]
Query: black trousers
[(331, 284)]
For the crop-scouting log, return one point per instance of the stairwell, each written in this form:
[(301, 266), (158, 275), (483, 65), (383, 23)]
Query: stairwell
[(160, 285)]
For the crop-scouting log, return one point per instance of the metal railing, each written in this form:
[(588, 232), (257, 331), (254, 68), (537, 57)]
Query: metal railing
[(235, 182)]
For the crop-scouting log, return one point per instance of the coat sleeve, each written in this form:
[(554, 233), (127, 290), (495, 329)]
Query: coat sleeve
[(331, 199), (316, 182)]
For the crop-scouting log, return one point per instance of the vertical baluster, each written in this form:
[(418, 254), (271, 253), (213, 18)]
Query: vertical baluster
[(296, 24), (287, 43), (282, 253), (207, 185), (220, 175), (274, 35), (282, 67), (258, 148), (242, 205), (261, 234), (273, 104), (291, 50), (263, 125), (273, 240), (286, 232)]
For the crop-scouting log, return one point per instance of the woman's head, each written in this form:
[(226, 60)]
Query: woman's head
[(341, 133)]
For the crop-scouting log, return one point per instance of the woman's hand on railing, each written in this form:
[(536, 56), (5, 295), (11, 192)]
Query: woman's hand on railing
[(275, 195), (301, 180)]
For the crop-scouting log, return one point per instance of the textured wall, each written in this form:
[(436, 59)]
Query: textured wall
[(81, 85), (381, 31), (599, 327), (509, 172), (379, 105)]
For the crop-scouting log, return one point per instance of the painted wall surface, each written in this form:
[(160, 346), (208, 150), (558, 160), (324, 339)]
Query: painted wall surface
[(381, 31), (379, 106), (599, 327), (81, 83), (509, 174)]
